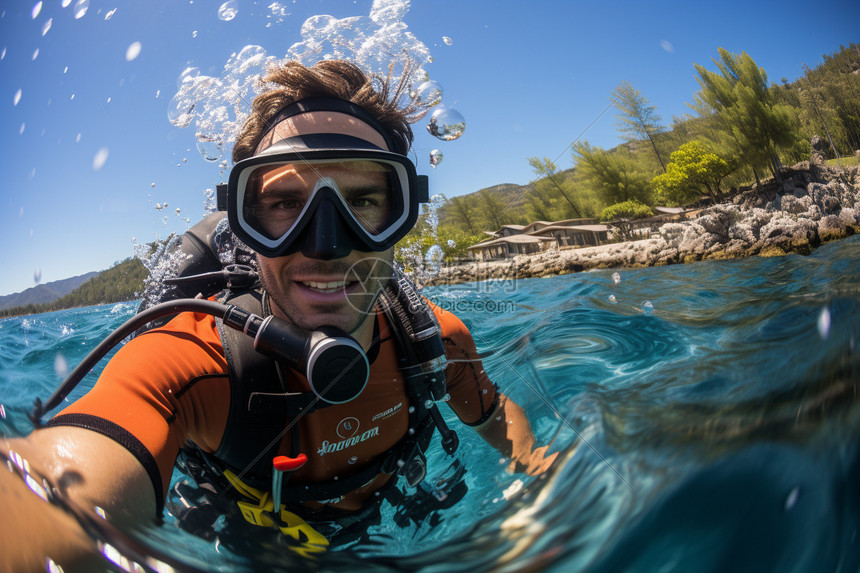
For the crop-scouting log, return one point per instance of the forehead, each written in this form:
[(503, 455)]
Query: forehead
[(321, 122)]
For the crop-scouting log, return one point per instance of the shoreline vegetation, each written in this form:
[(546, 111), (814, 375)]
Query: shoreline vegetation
[(810, 207)]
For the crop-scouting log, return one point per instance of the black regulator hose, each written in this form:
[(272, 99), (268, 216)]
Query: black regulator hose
[(334, 363)]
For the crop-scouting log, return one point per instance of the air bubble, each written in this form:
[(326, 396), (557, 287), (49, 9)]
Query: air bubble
[(100, 158), (612, 299), (2, 412), (187, 75), (16, 98), (428, 94), (194, 34), (446, 124), (435, 158), (434, 257), (448, 41), (81, 7), (61, 367), (353, 459), (647, 307), (451, 244), (823, 323), (110, 14), (446, 397), (35, 54), (153, 185), (47, 26), (37, 7), (791, 500), (66, 3), (411, 409), (133, 51), (180, 109), (228, 10), (178, 211), (428, 404), (616, 278)]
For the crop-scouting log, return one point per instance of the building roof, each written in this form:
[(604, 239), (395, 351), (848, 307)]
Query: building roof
[(580, 228), (511, 239)]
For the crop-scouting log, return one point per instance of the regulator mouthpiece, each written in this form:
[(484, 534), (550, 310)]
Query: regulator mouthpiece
[(334, 363)]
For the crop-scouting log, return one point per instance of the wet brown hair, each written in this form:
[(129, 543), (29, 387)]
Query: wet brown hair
[(329, 78)]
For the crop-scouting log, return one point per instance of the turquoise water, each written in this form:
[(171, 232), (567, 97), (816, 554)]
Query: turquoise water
[(706, 418)]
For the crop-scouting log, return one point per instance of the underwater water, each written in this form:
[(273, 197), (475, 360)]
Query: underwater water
[(705, 415)]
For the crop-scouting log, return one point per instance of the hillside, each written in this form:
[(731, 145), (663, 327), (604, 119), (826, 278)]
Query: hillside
[(121, 282), (44, 293)]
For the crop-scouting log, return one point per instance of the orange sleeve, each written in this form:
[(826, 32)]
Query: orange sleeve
[(473, 395), (163, 387)]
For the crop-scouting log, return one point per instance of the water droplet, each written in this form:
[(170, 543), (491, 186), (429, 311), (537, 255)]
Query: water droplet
[(37, 274), (73, 97), (66, 3), (61, 367), (81, 7), (228, 10), (187, 76), (446, 397), (16, 98), (21, 129), (353, 459), (157, 94), (428, 94), (36, 54), (37, 7), (178, 211), (133, 51), (791, 500), (411, 431), (434, 258), (451, 244), (78, 138), (66, 70), (209, 147), (446, 124), (647, 307), (194, 34), (411, 409), (428, 404), (110, 14), (3, 53), (47, 26), (484, 391), (448, 41), (612, 299), (616, 278), (435, 158), (100, 158), (824, 323), (2, 412), (153, 185), (180, 109)]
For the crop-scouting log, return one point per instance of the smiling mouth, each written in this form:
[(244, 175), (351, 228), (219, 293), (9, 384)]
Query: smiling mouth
[(327, 287)]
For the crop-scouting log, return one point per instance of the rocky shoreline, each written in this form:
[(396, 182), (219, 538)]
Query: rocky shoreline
[(810, 207)]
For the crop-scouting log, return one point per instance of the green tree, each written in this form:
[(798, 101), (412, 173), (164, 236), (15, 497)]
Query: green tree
[(747, 120), (693, 166), (637, 120), (614, 176), (622, 216), (549, 186), (463, 215)]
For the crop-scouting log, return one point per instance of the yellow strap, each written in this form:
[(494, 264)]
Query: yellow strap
[(261, 514)]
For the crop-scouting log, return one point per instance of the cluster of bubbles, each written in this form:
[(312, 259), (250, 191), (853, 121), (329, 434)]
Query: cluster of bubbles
[(379, 43)]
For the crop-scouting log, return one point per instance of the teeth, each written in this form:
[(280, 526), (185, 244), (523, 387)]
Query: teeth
[(325, 287)]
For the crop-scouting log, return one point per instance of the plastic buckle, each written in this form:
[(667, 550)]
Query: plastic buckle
[(414, 470)]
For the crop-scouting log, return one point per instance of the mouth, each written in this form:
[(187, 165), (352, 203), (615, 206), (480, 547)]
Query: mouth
[(330, 287)]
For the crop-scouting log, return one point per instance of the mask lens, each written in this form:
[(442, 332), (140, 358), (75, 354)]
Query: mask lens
[(276, 195)]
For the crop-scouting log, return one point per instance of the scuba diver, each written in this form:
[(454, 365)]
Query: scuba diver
[(306, 441)]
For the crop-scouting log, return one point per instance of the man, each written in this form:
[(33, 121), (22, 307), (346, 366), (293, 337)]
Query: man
[(320, 222)]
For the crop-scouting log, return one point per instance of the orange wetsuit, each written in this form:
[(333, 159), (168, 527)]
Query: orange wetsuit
[(171, 384)]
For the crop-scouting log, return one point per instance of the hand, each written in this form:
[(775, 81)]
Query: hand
[(535, 463)]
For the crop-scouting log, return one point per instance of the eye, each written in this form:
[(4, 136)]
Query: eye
[(288, 204), (363, 202)]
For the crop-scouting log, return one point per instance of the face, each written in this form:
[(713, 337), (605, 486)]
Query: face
[(310, 292)]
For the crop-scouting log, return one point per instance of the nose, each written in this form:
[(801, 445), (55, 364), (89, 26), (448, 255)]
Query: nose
[(326, 236)]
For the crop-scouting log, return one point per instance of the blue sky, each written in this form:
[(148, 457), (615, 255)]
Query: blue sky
[(528, 78)]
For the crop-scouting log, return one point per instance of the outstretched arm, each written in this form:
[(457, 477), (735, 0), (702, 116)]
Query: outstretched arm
[(509, 431), (90, 470)]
